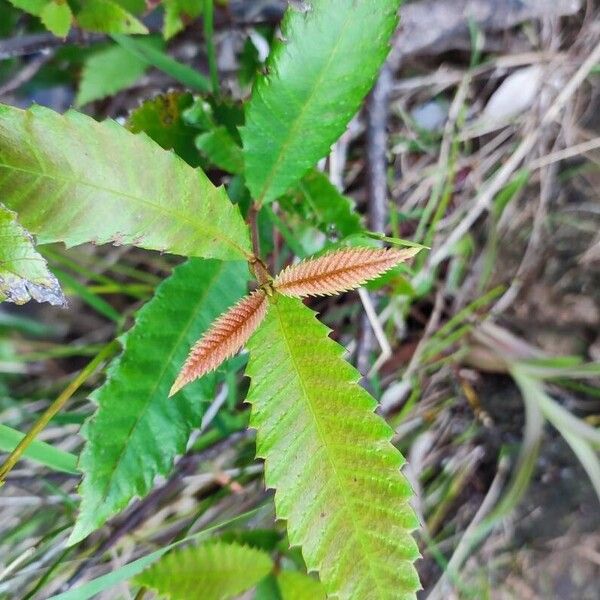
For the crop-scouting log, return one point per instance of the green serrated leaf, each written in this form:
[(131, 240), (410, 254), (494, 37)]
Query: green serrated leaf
[(336, 475), (221, 150), (199, 115), (106, 16), (178, 13), (24, 274), (162, 119), (110, 70), (212, 571), (137, 430), (74, 180), (318, 75), (263, 539), (57, 17), (333, 212), (298, 586), (96, 586)]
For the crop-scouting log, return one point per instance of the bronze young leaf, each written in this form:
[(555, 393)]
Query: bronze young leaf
[(226, 336), (338, 271), (327, 275)]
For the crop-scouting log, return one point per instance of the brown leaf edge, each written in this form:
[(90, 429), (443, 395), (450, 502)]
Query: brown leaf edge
[(223, 339), (338, 271)]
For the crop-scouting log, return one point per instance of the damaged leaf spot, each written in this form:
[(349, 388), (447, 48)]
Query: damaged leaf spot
[(24, 274)]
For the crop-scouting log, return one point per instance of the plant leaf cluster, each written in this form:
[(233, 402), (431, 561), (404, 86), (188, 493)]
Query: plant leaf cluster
[(73, 180)]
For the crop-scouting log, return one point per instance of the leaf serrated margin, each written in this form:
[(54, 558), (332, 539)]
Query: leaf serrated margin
[(319, 72), (74, 180), (137, 430)]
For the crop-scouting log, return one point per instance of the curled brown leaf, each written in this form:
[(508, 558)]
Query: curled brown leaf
[(338, 271), (224, 338)]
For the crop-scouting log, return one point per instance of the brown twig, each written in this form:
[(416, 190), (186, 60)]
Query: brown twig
[(26, 73), (253, 222), (26, 45)]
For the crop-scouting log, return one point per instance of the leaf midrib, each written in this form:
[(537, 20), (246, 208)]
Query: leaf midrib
[(347, 502), (177, 216)]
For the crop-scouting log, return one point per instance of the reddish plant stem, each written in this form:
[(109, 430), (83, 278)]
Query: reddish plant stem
[(258, 266)]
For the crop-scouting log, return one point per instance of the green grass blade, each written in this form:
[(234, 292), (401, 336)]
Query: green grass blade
[(318, 75), (587, 457), (98, 304), (329, 457), (163, 62), (38, 451)]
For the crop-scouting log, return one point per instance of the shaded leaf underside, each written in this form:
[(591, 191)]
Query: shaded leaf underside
[(161, 118), (74, 180), (24, 274), (137, 430), (329, 458)]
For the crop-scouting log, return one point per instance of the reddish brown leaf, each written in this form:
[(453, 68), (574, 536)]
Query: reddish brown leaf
[(339, 271), (226, 336)]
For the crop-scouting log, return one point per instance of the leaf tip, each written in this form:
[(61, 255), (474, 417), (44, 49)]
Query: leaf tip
[(410, 252), (180, 382), (79, 533)]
